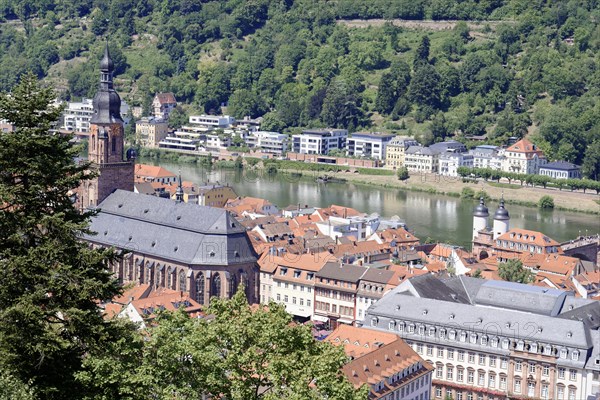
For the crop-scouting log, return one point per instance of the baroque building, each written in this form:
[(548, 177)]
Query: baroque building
[(106, 143)]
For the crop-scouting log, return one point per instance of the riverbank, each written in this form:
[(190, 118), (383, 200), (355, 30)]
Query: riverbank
[(451, 186)]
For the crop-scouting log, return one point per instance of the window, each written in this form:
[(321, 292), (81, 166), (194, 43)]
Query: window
[(285, 298), (572, 393), (429, 350), (532, 368), (517, 386), (438, 392), (293, 300), (440, 352), (450, 354), (200, 288), (503, 382), (492, 381), (471, 358), (420, 348), (563, 353), (505, 343), (216, 286), (545, 370), (278, 297), (461, 355), (439, 371), (460, 374), (301, 301), (470, 377), (296, 274), (545, 391), (575, 355), (449, 373), (308, 303), (482, 359), (484, 340), (561, 373), (530, 389), (459, 396), (560, 392), (481, 380), (391, 325), (518, 366), (492, 361), (494, 342), (572, 374)]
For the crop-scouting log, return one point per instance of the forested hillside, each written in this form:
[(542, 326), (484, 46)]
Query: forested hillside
[(509, 68)]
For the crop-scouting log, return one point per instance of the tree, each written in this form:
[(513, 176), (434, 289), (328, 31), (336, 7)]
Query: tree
[(422, 53), (424, 88), (52, 281), (513, 271), (386, 96), (591, 161), (242, 353), (244, 102), (546, 202), (402, 173)]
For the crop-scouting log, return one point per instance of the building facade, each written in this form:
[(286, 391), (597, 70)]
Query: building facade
[(395, 150), (541, 346), (150, 131), (561, 170), (268, 142), (523, 157), (163, 104), (370, 145), (319, 141), (106, 143)]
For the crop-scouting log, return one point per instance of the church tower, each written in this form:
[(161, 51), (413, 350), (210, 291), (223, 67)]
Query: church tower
[(501, 220), (480, 216), (106, 142)]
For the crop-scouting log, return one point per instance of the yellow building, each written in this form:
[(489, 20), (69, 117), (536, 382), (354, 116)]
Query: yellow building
[(395, 150), (150, 131), (215, 195)]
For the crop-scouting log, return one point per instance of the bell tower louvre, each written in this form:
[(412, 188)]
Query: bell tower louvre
[(106, 143)]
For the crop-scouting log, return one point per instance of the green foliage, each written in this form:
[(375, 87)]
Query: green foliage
[(467, 193), (285, 60), (402, 173), (13, 389), (546, 202), (513, 271), (242, 353), (49, 316)]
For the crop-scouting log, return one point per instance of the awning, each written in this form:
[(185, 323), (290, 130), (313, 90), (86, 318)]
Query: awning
[(320, 318), (346, 321)]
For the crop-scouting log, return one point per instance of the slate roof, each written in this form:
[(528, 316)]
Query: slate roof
[(345, 272), (178, 231), (400, 305), (561, 166)]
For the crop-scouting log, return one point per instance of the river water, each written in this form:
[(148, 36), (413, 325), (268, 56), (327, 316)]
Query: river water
[(442, 218)]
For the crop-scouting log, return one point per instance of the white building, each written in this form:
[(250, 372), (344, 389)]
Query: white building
[(215, 121), (290, 280), (561, 170), (449, 163), (523, 157), (496, 339), (319, 141), (395, 151), (488, 156), (77, 115), (360, 228), (421, 159), (268, 142), (370, 145)]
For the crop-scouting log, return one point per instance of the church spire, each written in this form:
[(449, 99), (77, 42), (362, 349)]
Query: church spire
[(179, 191), (107, 103)]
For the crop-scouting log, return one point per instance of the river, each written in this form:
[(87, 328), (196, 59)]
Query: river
[(442, 218)]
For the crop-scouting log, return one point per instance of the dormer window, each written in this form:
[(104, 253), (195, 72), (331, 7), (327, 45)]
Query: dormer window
[(494, 342), (297, 274), (463, 336), (520, 345), (533, 348), (575, 355), (283, 271), (505, 343), (431, 331), (452, 335), (563, 353), (484, 340), (391, 325), (473, 338), (374, 321), (310, 276)]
